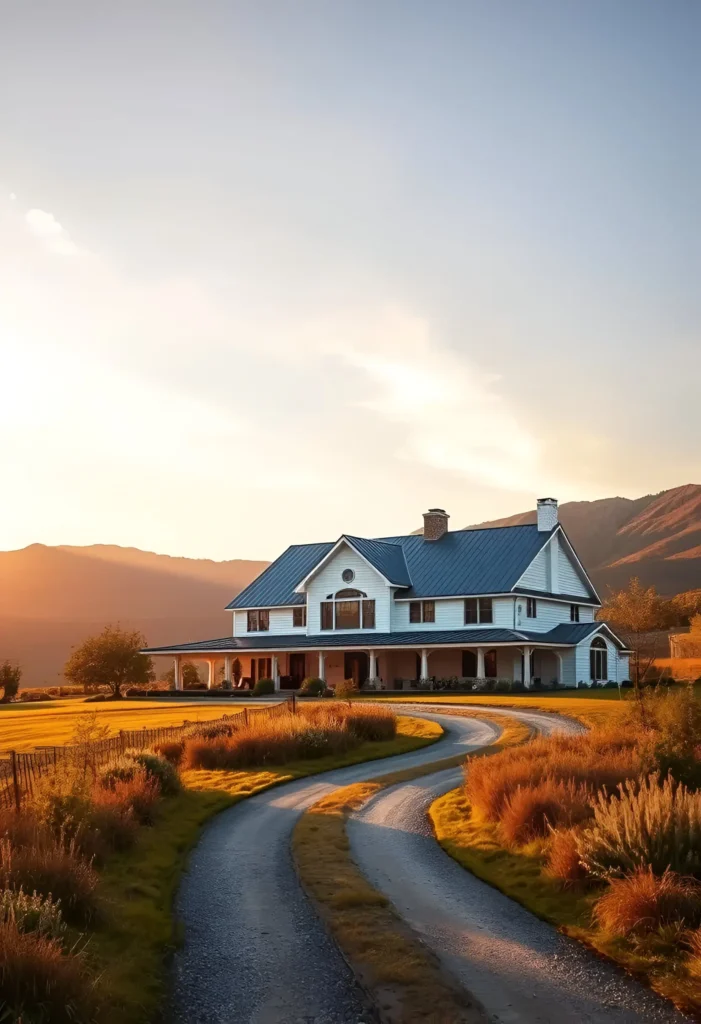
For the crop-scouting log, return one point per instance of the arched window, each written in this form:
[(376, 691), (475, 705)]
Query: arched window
[(347, 609), (598, 660)]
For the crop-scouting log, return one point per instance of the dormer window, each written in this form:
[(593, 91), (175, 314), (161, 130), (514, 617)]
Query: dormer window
[(299, 616), (348, 609), (259, 620)]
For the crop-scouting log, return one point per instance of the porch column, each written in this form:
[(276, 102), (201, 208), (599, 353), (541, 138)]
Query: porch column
[(275, 668), (424, 663), (210, 674), (558, 655), (480, 662), (227, 671), (322, 666), (372, 668), (527, 667), (177, 678)]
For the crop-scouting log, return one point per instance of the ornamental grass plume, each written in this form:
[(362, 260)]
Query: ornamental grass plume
[(649, 824), (642, 903)]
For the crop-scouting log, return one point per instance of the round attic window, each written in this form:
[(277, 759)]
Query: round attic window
[(347, 575)]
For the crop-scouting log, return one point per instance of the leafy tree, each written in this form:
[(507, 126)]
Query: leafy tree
[(112, 658), (637, 612), (188, 674), (10, 676)]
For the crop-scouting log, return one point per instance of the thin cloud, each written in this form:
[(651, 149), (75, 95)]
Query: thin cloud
[(50, 232)]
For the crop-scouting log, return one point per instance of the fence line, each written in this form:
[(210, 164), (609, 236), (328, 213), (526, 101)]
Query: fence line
[(19, 772)]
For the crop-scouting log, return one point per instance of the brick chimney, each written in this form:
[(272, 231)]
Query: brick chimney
[(435, 523), (547, 514)]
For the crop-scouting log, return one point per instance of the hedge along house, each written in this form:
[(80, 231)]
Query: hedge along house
[(511, 603)]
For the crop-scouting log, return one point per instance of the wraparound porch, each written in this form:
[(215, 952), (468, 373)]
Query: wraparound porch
[(382, 668)]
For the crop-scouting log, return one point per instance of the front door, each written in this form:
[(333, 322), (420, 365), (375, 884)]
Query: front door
[(355, 666), (297, 669)]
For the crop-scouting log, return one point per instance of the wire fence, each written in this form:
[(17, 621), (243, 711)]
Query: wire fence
[(20, 772)]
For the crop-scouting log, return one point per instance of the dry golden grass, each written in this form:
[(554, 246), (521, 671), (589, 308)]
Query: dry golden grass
[(579, 704), (643, 903), (25, 726)]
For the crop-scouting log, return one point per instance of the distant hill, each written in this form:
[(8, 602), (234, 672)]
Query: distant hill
[(53, 597), (657, 537)]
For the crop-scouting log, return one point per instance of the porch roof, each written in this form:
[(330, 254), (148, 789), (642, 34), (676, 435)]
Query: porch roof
[(564, 635)]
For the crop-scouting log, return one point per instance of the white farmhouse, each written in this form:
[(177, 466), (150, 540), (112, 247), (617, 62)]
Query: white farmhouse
[(509, 603)]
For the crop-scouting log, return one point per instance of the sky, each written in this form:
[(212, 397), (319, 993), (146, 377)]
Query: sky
[(273, 271)]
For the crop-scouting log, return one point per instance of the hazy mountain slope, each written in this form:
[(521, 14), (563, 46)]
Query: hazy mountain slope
[(52, 598), (656, 537)]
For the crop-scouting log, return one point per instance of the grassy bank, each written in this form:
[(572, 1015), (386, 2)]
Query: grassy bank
[(405, 981), (138, 887)]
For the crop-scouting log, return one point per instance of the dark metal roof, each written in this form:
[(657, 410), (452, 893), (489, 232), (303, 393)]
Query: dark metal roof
[(567, 634), (573, 598), (275, 587), (387, 558), (462, 562)]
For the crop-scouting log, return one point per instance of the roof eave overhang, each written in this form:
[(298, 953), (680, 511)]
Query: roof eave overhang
[(301, 586)]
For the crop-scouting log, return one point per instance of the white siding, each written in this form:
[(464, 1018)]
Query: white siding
[(570, 580), (617, 665), (536, 575), (329, 580), (450, 614), (553, 572), (280, 623), (569, 667), (549, 614)]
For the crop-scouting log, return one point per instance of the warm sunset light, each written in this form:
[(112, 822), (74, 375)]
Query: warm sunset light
[(350, 512)]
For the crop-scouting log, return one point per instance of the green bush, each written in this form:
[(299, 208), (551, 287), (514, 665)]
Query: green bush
[(161, 771), (346, 689), (313, 687), (263, 687), (648, 824)]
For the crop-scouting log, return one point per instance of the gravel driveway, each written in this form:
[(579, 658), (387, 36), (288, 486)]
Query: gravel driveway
[(521, 969), (255, 951)]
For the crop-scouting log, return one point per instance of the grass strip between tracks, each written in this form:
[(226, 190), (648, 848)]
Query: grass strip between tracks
[(402, 977), (137, 888)]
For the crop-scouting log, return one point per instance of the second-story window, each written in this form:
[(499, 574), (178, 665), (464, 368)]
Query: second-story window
[(259, 620), (531, 608), (574, 613), (299, 616), (478, 609), (327, 614), (422, 611)]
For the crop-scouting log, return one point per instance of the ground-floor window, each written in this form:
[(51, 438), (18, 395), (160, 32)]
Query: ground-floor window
[(598, 660)]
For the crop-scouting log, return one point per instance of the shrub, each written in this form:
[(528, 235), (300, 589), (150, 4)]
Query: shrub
[(172, 750), (121, 770), (50, 869), (263, 687), (33, 913), (95, 698), (140, 794), (346, 689), (313, 687), (531, 810), (161, 771), (39, 983), (647, 824), (642, 902), (601, 758), (374, 724), (563, 858), (135, 691)]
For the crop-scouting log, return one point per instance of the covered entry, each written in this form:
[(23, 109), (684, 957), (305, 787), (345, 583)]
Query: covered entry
[(355, 666)]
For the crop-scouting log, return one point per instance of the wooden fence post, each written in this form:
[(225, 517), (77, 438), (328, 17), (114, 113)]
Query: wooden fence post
[(15, 781), (294, 703), (245, 716)]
